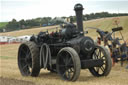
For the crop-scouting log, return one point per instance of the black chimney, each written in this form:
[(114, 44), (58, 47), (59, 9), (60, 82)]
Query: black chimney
[(79, 16)]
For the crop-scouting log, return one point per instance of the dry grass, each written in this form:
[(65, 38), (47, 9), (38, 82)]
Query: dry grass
[(107, 24), (118, 76), (9, 50), (9, 68), (29, 31)]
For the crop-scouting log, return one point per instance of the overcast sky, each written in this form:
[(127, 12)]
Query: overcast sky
[(28, 9)]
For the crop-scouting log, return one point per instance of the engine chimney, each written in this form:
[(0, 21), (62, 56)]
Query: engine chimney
[(79, 16)]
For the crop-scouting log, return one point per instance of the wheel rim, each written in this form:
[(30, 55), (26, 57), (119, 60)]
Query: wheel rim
[(25, 60), (65, 66), (99, 54)]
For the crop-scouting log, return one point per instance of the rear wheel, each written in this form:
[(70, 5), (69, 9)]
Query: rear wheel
[(68, 64), (28, 59), (101, 53)]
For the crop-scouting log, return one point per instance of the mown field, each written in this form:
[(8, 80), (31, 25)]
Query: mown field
[(10, 75)]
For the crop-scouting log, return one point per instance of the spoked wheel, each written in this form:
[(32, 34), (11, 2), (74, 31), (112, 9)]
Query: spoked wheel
[(101, 53), (28, 59), (68, 64)]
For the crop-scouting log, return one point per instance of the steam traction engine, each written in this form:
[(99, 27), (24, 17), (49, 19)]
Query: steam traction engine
[(65, 52)]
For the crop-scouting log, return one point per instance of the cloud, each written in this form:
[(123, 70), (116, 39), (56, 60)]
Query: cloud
[(27, 9)]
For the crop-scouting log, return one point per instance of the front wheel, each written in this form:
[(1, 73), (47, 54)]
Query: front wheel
[(68, 64), (101, 52)]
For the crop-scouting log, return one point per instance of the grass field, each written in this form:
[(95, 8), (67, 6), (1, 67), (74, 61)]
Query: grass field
[(3, 24), (107, 24), (10, 75), (9, 70)]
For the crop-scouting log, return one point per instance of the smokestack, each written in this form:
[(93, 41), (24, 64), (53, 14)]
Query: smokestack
[(79, 16)]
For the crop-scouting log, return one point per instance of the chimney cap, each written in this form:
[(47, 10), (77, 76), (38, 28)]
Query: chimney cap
[(78, 7)]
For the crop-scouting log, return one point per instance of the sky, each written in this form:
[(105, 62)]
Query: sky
[(28, 9)]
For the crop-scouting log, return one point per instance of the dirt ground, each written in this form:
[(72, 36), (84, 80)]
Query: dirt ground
[(7, 81)]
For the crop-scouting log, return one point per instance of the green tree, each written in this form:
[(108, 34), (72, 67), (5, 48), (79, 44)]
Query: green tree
[(13, 25), (22, 24)]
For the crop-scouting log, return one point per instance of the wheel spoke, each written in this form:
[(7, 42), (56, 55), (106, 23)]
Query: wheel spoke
[(23, 51), (97, 69), (69, 60), (62, 60), (25, 66), (69, 75), (70, 65), (71, 69), (22, 59), (29, 64), (102, 68), (28, 51), (104, 62), (96, 57), (103, 57), (28, 54), (99, 54)]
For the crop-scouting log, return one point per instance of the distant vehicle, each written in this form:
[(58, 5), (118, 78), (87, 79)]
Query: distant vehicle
[(6, 39), (23, 38), (44, 25)]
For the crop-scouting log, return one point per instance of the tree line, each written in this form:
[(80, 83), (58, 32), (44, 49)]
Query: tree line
[(103, 15), (48, 21)]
